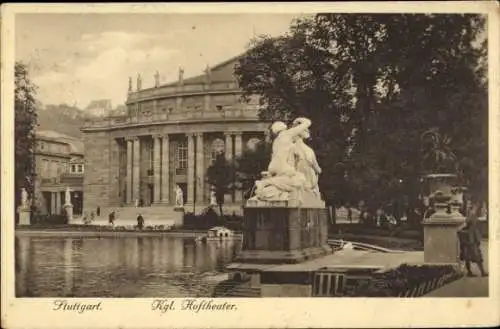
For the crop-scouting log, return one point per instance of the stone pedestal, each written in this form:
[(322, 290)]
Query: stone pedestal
[(24, 215), (441, 244), (178, 216), (283, 235), (69, 212)]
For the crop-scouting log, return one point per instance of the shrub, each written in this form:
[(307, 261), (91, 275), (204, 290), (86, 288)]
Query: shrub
[(49, 220), (399, 281)]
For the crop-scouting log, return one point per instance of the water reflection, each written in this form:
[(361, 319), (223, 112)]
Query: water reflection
[(118, 267)]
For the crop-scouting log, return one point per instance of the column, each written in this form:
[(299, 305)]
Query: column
[(190, 173), (135, 169), (157, 168), (228, 198), (238, 149), (229, 146), (129, 171), (53, 203), (58, 202), (200, 172), (165, 175)]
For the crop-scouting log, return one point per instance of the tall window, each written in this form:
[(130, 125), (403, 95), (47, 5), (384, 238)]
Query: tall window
[(151, 156), (181, 156), (217, 148)]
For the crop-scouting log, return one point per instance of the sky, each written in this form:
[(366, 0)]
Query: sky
[(77, 58)]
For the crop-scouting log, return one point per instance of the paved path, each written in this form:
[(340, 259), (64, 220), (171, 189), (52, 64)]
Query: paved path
[(466, 287)]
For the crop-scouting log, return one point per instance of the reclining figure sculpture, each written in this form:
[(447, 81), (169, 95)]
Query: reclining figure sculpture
[(293, 170)]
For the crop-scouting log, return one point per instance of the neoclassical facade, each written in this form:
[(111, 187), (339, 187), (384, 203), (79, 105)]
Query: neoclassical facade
[(169, 136), (59, 165)]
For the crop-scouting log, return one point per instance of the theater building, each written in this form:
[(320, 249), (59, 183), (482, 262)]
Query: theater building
[(168, 137)]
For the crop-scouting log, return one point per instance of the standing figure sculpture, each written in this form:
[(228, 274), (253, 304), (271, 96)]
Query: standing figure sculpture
[(306, 162), (67, 197), (282, 182), (179, 197), (24, 197)]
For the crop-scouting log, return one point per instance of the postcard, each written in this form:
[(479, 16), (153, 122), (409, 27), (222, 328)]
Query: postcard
[(235, 165)]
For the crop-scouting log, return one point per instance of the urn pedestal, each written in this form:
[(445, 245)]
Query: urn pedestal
[(283, 235), (441, 243)]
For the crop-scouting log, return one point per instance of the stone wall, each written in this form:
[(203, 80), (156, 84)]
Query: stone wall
[(96, 181)]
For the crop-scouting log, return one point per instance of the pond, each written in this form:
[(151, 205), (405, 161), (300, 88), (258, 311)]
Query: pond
[(119, 267)]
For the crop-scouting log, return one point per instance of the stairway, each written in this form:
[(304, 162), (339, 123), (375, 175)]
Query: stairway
[(153, 216)]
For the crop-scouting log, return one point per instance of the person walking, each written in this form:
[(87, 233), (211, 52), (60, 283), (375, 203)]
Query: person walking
[(470, 242), (111, 218), (140, 222)]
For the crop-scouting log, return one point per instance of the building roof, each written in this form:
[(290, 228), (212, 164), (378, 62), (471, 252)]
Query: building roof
[(76, 145), (222, 72)]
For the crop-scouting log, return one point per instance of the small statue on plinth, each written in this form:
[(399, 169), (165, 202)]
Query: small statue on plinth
[(24, 198), (292, 175), (68, 206), (24, 209), (139, 82), (179, 197), (67, 197), (157, 79)]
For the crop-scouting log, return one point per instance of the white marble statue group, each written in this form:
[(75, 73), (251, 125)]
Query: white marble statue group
[(293, 171)]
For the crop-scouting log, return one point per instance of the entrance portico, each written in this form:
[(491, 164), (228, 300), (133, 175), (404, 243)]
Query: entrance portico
[(156, 163)]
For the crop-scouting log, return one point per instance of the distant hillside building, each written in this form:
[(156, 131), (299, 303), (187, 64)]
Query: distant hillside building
[(99, 108), (169, 136), (59, 164)]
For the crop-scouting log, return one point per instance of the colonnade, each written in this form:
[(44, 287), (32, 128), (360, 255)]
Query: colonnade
[(196, 166)]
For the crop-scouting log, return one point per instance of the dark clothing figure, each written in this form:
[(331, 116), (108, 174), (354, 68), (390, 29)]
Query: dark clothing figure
[(140, 222), (98, 211), (141, 202), (470, 246), (112, 218)]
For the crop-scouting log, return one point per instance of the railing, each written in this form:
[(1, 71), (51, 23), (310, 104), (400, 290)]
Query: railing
[(53, 180), (180, 90), (327, 284), (246, 112)]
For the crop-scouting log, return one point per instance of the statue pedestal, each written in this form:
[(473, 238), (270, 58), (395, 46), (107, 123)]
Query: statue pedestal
[(283, 235), (441, 244), (69, 212), (24, 215), (178, 216)]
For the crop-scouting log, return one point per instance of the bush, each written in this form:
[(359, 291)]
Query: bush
[(402, 280), (210, 219), (49, 220)]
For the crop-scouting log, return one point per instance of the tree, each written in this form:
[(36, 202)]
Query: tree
[(220, 176), (296, 77), (251, 164), (25, 124), (373, 84)]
